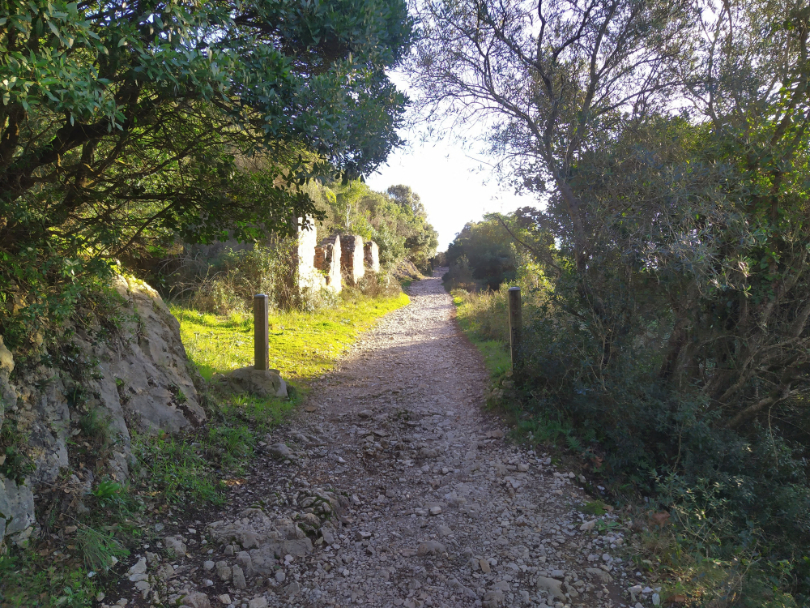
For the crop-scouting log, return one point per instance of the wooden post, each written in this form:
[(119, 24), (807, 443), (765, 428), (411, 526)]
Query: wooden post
[(261, 333), (515, 325)]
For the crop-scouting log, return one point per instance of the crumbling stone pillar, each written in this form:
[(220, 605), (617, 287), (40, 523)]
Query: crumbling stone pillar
[(308, 275), (327, 260), (371, 253), (351, 258)]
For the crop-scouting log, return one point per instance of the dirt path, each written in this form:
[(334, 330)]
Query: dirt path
[(410, 493)]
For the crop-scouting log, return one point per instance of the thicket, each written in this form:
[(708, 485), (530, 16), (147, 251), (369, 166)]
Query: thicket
[(482, 256), (669, 144)]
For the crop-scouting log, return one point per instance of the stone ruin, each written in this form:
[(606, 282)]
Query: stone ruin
[(352, 258), (337, 258), (309, 276), (327, 259), (371, 253)]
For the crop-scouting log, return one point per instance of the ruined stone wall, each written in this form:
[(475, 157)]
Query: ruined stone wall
[(352, 258), (327, 260), (371, 254), (308, 276), (141, 379)]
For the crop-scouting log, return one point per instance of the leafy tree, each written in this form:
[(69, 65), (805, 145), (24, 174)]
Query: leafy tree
[(669, 141), (487, 249), (122, 121), (396, 221)]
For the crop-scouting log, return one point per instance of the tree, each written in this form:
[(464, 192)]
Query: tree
[(551, 80), (397, 223), (487, 249), (124, 120)]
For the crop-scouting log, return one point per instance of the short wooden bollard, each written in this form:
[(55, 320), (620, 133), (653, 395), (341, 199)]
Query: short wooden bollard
[(515, 325), (261, 333)]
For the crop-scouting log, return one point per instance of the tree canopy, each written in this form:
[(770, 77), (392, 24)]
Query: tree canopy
[(125, 121)]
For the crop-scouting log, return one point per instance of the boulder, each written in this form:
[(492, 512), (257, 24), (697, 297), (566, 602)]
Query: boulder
[(261, 383), (16, 511), (137, 376)]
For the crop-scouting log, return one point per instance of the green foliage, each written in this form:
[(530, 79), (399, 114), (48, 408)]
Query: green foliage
[(485, 254), (226, 283), (596, 507), (16, 465), (125, 125), (175, 469), (31, 580), (100, 550), (395, 220), (108, 493)]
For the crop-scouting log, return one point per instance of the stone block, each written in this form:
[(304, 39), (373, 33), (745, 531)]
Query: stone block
[(371, 254), (352, 258)]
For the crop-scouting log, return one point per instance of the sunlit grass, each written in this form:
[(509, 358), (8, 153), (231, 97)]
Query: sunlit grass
[(303, 345)]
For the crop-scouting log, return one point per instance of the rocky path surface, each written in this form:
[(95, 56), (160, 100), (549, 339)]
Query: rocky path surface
[(392, 487)]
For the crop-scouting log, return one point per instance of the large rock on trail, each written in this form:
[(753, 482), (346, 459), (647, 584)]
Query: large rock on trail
[(258, 382)]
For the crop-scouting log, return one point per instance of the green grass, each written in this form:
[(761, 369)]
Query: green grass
[(303, 345), (495, 352), (29, 579)]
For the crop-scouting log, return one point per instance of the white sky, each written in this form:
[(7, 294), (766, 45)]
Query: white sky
[(449, 183), (454, 187)]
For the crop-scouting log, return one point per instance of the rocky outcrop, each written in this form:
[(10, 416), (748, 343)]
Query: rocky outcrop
[(136, 376)]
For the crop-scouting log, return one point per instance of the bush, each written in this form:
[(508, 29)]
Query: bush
[(749, 491), (378, 285), (226, 284)]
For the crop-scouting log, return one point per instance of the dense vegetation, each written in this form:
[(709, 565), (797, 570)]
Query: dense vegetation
[(481, 256), (668, 143), (127, 125), (222, 279), (395, 219)]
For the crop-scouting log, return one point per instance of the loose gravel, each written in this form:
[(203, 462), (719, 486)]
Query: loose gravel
[(393, 487)]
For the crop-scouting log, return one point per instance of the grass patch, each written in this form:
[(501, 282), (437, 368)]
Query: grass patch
[(303, 345), (478, 316), (30, 579)]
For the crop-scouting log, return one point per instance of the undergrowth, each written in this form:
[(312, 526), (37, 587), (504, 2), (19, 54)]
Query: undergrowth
[(699, 552)]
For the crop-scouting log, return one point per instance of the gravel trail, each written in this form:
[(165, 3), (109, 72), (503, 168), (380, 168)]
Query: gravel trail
[(392, 487)]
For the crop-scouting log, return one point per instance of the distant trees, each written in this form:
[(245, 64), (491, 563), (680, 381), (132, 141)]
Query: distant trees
[(484, 250), (396, 220)]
